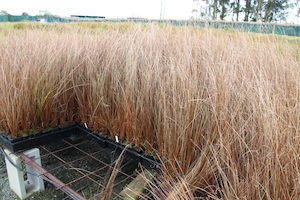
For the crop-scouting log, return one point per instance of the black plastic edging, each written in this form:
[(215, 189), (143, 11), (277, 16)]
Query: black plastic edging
[(42, 138)]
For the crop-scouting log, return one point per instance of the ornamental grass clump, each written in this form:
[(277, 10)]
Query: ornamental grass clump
[(221, 109)]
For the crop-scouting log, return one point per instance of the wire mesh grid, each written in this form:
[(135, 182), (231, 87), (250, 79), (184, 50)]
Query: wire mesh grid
[(84, 166)]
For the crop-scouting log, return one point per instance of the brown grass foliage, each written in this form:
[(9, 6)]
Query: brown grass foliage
[(222, 109)]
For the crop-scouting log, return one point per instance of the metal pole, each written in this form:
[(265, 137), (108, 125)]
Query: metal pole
[(161, 9)]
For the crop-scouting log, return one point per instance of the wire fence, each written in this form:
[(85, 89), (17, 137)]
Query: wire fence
[(281, 29)]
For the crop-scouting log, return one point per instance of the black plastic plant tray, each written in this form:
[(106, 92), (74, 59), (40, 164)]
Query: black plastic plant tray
[(24, 143), (147, 161), (44, 137)]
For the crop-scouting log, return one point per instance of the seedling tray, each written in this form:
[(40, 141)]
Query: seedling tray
[(45, 137), (147, 161)]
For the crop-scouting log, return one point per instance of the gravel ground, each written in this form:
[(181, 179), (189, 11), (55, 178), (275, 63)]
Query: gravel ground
[(5, 192)]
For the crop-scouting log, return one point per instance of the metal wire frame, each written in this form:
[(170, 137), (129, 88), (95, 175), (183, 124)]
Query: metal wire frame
[(82, 174)]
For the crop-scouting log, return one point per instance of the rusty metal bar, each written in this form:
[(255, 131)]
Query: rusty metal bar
[(83, 174), (87, 176), (100, 161), (56, 182), (60, 149), (110, 165), (64, 164)]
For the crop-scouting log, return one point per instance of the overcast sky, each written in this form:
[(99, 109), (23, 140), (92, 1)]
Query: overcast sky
[(173, 9), (180, 9)]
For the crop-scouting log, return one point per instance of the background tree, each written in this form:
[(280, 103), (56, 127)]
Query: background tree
[(25, 14), (237, 8), (215, 9), (45, 13), (258, 9), (4, 12), (275, 10), (223, 8), (297, 5), (248, 10)]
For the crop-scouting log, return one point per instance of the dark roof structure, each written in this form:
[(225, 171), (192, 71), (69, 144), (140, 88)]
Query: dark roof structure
[(88, 16)]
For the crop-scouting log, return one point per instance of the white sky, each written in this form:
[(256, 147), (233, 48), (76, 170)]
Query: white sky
[(179, 9), (173, 9)]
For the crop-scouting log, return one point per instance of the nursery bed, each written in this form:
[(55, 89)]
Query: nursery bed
[(81, 159), (83, 166), (75, 130)]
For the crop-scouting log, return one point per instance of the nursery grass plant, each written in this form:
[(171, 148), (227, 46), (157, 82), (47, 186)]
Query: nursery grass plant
[(220, 108)]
